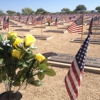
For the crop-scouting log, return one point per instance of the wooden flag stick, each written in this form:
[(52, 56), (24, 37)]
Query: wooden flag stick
[(96, 28), (41, 25), (90, 27), (95, 32), (8, 23), (82, 29)]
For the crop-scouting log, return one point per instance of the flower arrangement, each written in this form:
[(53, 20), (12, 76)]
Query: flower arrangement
[(18, 63)]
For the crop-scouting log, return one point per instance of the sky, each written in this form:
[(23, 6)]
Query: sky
[(48, 5)]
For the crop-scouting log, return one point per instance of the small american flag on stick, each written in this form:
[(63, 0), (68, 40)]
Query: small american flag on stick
[(5, 23), (76, 26), (74, 77)]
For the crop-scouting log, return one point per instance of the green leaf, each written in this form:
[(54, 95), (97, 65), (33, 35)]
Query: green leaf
[(46, 62), (50, 72), (20, 62), (1, 61), (43, 67), (2, 76), (19, 74), (28, 51), (22, 78), (10, 50), (40, 75), (12, 39), (24, 65), (29, 80), (36, 83), (1, 37), (36, 64), (1, 48), (29, 56), (28, 61)]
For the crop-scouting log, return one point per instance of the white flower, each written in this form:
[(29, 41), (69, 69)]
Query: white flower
[(27, 49), (33, 46), (21, 45), (5, 42), (9, 45), (41, 71)]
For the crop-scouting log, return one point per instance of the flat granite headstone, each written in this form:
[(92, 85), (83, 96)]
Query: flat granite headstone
[(41, 27), (65, 27), (43, 37), (93, 33), (62, 28), (60, 23), (98, 28), (26, 30), (91, 39), (67, 58), (12, 23), (57, 31), (15, 26)]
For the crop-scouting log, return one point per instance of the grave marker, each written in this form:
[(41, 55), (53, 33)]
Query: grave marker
[(92, 40), (67, 58), (57, 31), (86, 33), (26, 30), (43, 37)]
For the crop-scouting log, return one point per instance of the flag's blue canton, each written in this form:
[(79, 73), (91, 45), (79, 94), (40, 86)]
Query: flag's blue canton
[(96, 18), (4, 19), (81, 55)]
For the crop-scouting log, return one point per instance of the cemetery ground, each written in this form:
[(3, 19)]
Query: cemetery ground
[(54, 87)]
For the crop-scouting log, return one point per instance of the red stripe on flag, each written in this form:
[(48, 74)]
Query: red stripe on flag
[(73, 28), (67, 87)]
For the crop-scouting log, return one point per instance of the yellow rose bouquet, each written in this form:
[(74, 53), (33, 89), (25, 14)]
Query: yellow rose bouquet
[(18, 63)]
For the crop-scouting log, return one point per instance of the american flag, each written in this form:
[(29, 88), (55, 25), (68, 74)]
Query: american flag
[(76, 26), (95, 20), (38, 20), (73, 18), (74, 77), (5, 23), (68, 20)]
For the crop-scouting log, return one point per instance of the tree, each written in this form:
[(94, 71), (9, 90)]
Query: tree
[(18, 13), (41, 11), (65, 10), (10, 12), (80, 8), (27, 11), (97, 9), (92, 11)]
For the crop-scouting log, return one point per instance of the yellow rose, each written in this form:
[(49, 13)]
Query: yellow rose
[(11, 33), (29, 40), (16, 53), (40, 57), (17, 42)]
